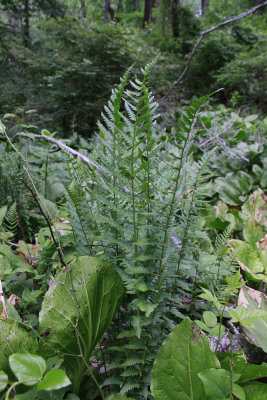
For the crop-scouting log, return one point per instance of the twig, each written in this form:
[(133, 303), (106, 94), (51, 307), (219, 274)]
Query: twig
[(47, 221), (2, 300), (55, 150), (204, 33), (217, 134)]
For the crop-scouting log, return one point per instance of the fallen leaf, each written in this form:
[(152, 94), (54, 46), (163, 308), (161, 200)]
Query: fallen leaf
[(263, 243), (13, 299)]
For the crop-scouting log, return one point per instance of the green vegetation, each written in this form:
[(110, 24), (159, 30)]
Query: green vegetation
[(133, 203)]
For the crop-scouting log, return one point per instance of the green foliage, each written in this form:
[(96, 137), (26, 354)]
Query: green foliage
[(29, 370), (14, 339), (138, 202), (91, 291), (179, 361), (251, 254), (3, 380), (68, 74), (186, 366), (254, 304), (249, 67), (217, 383)]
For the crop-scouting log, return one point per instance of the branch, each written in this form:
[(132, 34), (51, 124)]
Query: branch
[(73, 152), (36, 199), (63, 146), (202, 34)]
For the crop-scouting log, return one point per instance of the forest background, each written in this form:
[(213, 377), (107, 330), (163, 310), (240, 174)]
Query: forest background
[(61, 58)]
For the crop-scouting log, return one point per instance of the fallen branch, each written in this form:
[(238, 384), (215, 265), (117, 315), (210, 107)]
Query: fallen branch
[(74, 153), (204, 33), (63, 146)]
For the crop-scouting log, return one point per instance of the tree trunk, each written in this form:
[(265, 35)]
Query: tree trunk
[(106, 6), (119, 7), (175, 18), (111, 12), (204, 6), (147, 13), (137, 5), (25, 23), (83, 9)]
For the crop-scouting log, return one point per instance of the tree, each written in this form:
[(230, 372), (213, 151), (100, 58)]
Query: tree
[(25, 22), (83, 9), (106, 5), (175, 18), (137, 5), (204, 6), (147, 13)]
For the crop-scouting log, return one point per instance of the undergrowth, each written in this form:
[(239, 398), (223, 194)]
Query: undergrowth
[(137, 206)]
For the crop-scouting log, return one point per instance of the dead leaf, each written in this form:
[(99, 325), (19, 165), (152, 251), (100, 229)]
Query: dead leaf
[(13, 299), (254, 294), (263, 243)]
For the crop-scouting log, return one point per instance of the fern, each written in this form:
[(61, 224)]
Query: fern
[(10, 221), (137, 204)]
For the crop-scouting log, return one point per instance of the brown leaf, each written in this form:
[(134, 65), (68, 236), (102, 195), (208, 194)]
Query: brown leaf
[(263, 243), (13, 299), (254, 294)]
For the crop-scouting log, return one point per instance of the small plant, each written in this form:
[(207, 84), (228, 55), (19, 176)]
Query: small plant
[(186, 368), (30, 370)]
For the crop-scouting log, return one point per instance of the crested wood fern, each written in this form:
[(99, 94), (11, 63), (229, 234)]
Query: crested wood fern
[(137, 207)]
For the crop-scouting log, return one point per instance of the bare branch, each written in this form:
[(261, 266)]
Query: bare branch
[(204, 33), (36, 199), (73, 152)]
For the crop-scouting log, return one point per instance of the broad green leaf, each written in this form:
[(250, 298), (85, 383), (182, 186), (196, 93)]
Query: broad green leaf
[(29, 395), (207, 295), (202, 326), (210, 319), (119, 397), (217, 330), (252, 233), (251, 262), (53, 380), (182, 356), (255, 391), (14, 339), (245, 372), (14, 261), (77, 309), (217, 383), (255, 208), (27, 367), (3, 380), (233, 188), (238, 391), (255, 302)]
